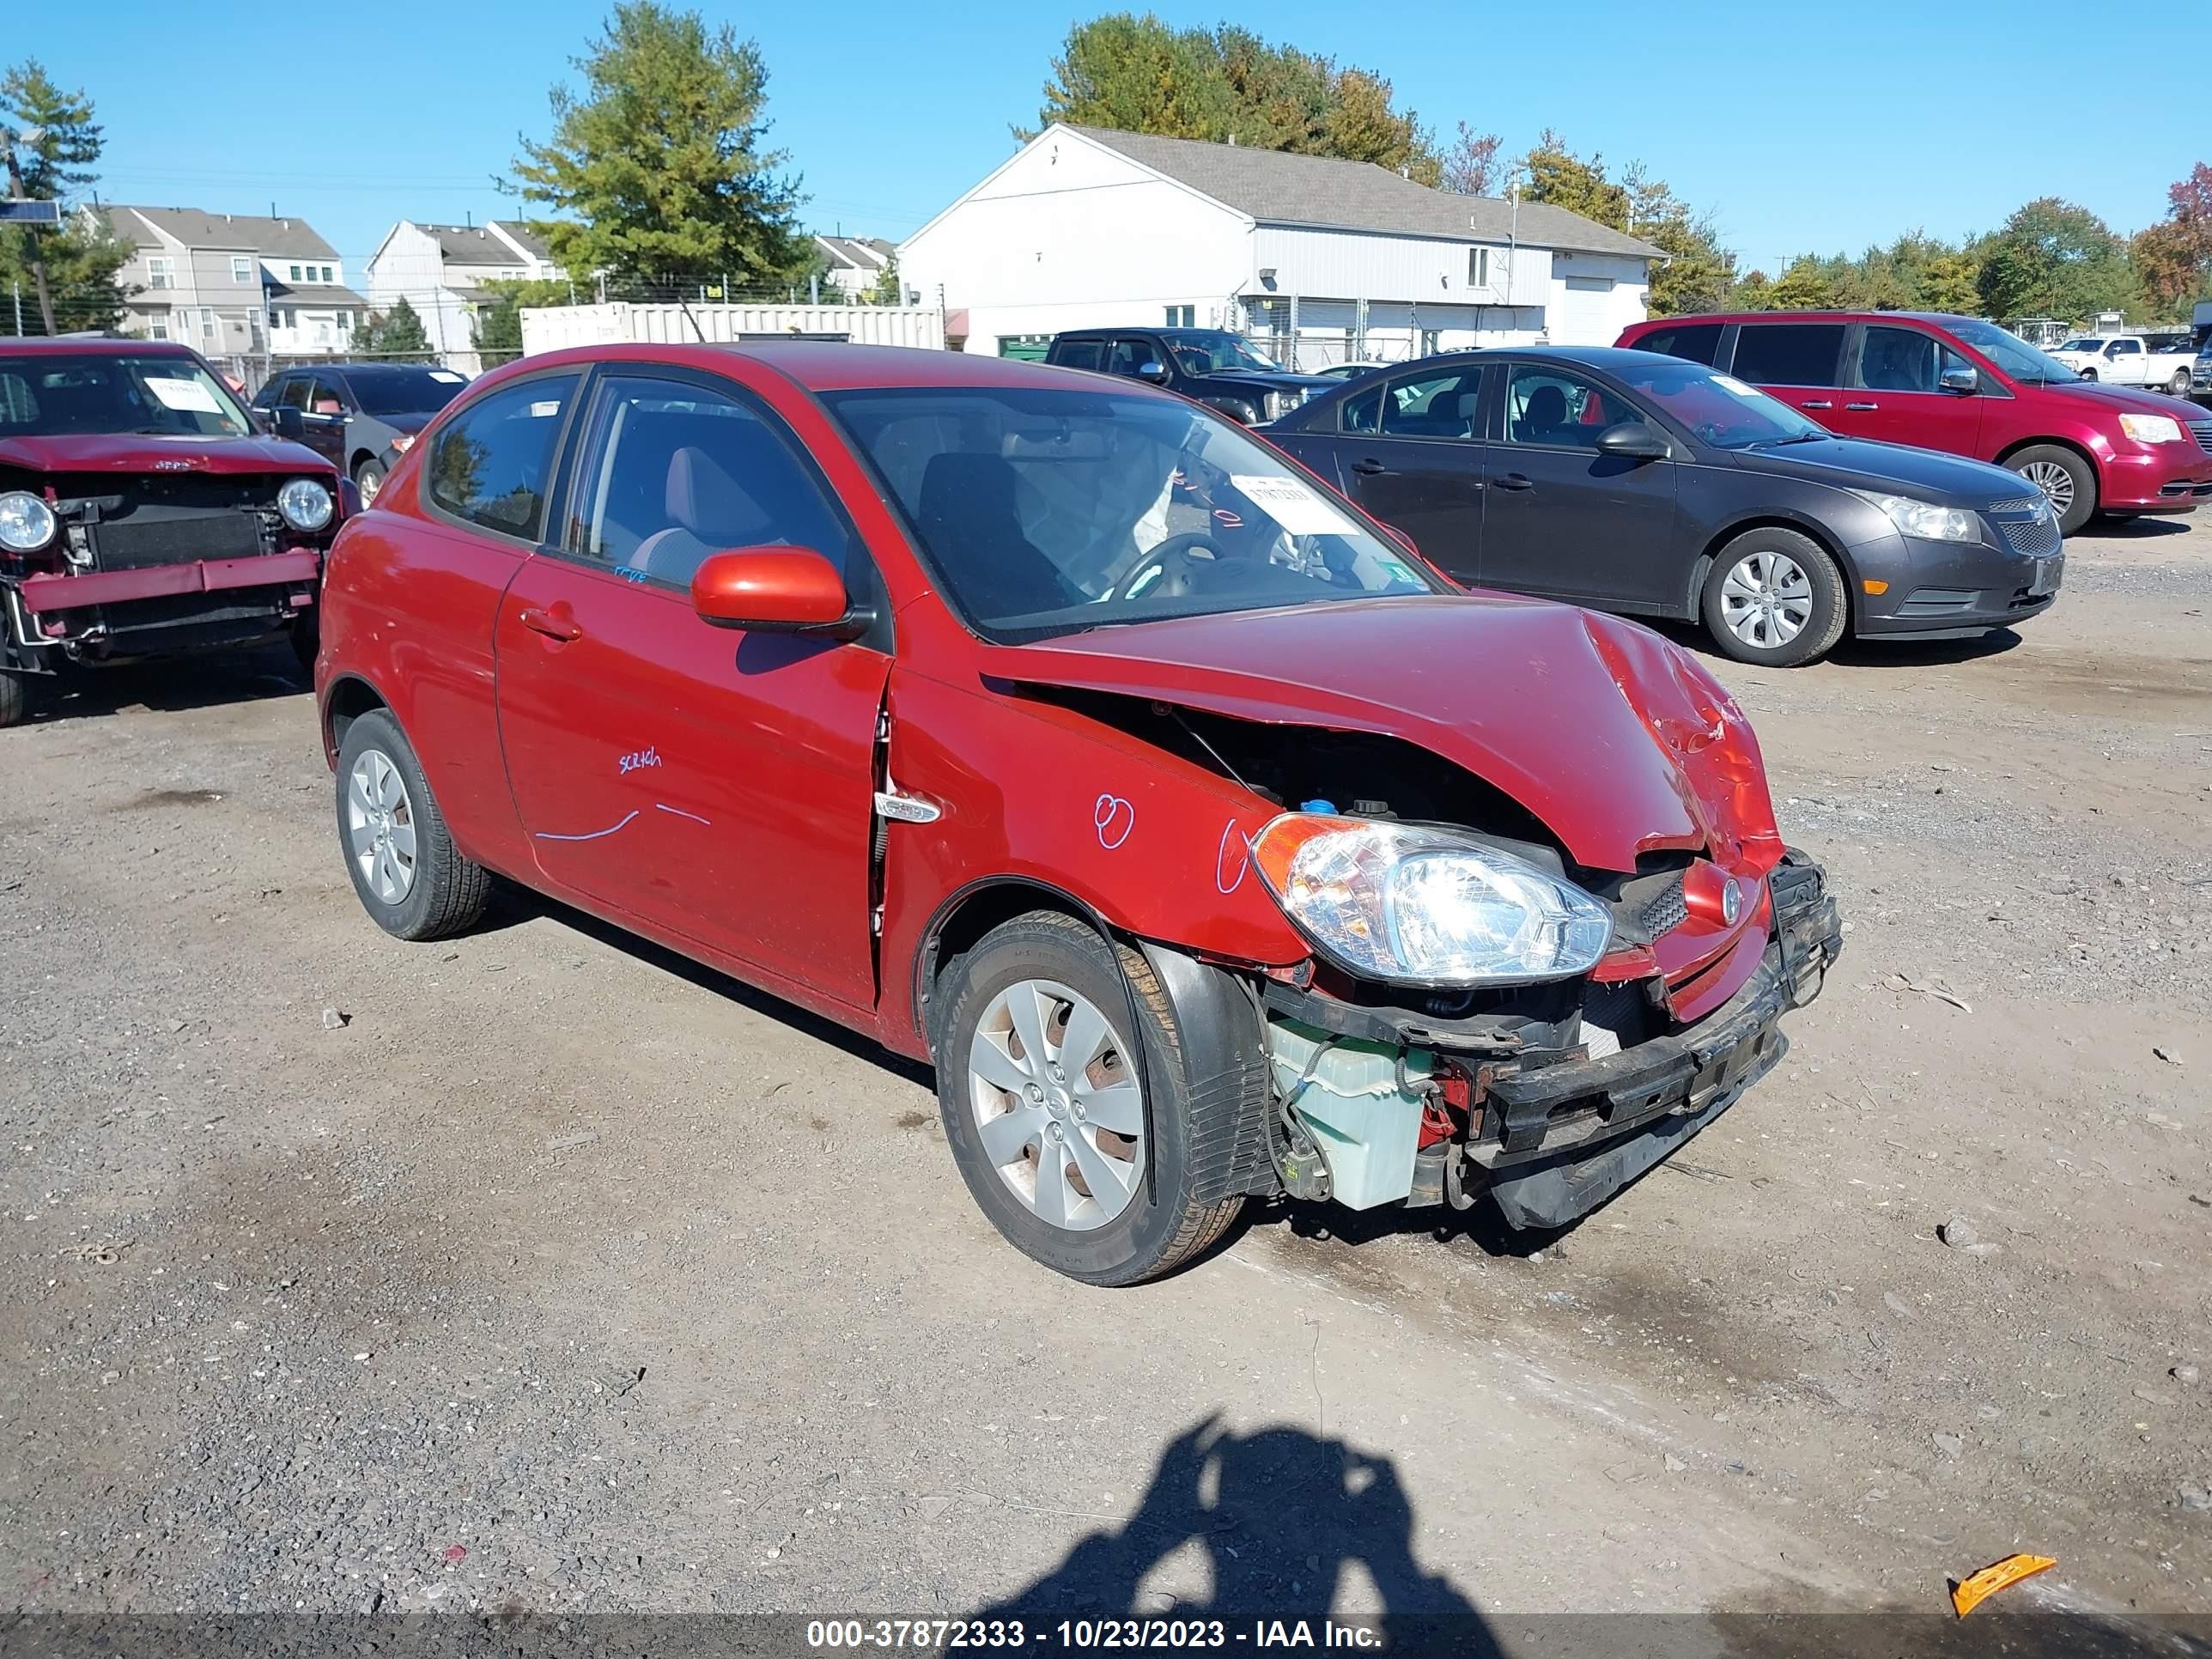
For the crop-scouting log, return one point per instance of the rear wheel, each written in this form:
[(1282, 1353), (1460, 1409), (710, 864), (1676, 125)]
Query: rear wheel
[(2065, 478), (1775, 597), (2089, 373), (2178, 386), (408, 873), (1085, 1159), (368, 479)]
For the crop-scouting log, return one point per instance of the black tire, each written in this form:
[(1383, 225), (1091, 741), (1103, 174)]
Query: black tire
[(2083, 476), (447, 892), (1156, 1232), (1823, 625), (368, 479), (17, 696), (2089, 373), (2178, 386)]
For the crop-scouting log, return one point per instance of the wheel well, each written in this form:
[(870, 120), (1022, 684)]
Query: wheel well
[(2005, 455), (350, 699), (360, 456), (1711, 555), (963, 920)]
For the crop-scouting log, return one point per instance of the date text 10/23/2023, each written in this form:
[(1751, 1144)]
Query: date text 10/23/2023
[(1088, 1635)]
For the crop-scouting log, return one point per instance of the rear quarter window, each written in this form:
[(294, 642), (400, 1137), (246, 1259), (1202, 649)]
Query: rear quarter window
[(1080, 354)]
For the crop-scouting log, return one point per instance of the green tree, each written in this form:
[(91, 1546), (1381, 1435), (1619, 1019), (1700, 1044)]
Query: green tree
[(1754, 291), (499, 322), (2054, 259), (1951, 281), (395, 335), (72, 269), (1138, 74), (889, 289), (1806, 285), (659, 166), (1698, 273), (1559, 178)]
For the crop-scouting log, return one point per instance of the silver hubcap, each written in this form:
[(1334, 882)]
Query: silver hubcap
[(380, 826), (369, 482), (1767, 600), (1058, 1112), (2054, 481)]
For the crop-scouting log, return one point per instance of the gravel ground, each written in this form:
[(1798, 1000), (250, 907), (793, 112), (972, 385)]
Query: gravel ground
[(562, 1275)]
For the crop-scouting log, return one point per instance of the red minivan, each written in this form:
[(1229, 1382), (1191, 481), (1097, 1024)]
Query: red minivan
[(1968, 387)]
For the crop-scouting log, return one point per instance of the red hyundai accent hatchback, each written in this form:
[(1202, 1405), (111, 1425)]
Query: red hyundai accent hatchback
[(1062, 732)]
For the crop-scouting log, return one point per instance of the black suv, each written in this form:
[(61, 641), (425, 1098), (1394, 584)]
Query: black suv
[(1212, 366)]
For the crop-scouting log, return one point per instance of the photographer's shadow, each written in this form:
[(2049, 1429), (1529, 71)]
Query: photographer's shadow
[(1280, 1515)]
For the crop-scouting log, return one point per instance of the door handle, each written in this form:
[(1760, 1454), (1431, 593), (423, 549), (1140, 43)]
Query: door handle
[(1515, 481), (1863, 407), (1369, 469), (1818, 402), (554, 624)]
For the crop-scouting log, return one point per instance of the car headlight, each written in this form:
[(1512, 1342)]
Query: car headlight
[(26, 524), (304, 503), (1924, 520), (1408, 901), (2151, 428)]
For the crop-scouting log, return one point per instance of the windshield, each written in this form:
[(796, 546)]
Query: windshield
[(406, 391), (1045, 512), (1718, 408), (2012, 354), (1211, 349), (49, 395)]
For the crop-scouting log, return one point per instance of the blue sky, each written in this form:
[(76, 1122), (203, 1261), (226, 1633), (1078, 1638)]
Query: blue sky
[(1802, 131)]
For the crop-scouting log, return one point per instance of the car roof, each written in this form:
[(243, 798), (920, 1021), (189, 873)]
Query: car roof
[(1617, 358), (831, 365), (103, 345), (1942, 318)]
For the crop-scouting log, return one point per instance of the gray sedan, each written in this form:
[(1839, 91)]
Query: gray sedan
[(357, 416), (1632, 482)]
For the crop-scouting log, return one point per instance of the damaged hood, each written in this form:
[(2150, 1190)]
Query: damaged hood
[(1619, 742), (130, 452)]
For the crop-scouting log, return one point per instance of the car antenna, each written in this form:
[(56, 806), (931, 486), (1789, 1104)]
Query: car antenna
[(689, 319)]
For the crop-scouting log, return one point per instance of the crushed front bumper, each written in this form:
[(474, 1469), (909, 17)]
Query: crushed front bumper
[(1559, 1140)]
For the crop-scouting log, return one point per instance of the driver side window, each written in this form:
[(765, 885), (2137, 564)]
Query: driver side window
[(1130, 355), (1554, 409)]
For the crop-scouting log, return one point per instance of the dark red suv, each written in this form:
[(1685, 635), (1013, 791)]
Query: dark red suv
[(142, 512), (1968, 387)]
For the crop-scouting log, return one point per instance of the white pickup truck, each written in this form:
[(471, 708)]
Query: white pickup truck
[(2160, 362)]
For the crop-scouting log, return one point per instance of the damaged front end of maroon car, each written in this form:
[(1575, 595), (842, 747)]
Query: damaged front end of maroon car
[(1554, 930), (142, 515)]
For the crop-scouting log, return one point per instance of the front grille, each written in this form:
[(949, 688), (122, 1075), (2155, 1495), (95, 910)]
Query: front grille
[(2036, 539), (137, 542), (2203, 429), (1664, 914)]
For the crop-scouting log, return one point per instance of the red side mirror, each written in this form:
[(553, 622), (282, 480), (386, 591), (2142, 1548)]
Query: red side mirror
[(775, 590)]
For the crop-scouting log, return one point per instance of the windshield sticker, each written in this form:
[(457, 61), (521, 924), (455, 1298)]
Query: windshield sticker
[(1293, 505), (183, 394), (1114, 818), (1729, 383)]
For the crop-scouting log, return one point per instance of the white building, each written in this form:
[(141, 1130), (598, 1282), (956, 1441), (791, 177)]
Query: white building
[(1324, 259), (856, 264), (442, 272)]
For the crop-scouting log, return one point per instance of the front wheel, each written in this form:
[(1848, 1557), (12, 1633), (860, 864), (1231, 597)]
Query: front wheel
[(1775, 597), (16, 697), (1085, 1159), (2178, 386), (2089, 373), (2066, 479), (368, 479), (407, 873)]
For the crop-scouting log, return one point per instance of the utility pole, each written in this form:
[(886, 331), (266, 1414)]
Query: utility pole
[(9, 140)]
